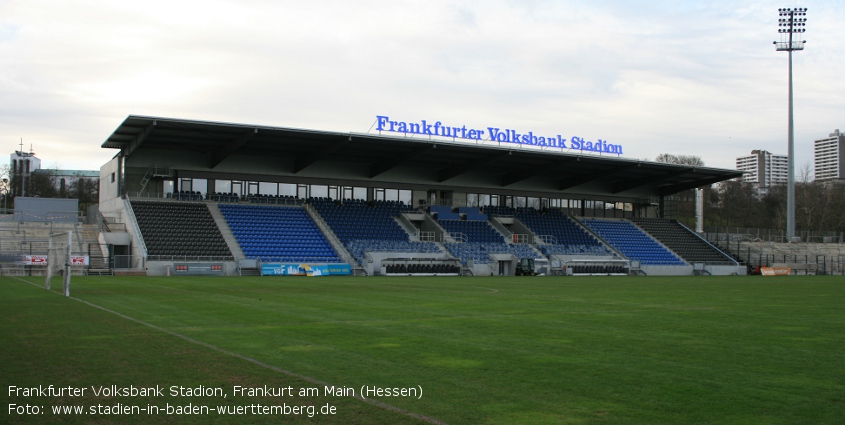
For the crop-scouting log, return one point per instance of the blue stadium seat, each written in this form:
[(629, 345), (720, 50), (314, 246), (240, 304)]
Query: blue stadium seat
[(278, 234), (633, 242), (369, 226)]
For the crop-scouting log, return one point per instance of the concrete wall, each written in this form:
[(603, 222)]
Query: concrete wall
[(46, 210), (727, 270), (667, 270), (417, 196), (485, 269), (109, 181), (688, 270), (459, 198), (430, 225)]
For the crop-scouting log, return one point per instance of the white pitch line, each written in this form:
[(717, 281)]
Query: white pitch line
[(254, 361), (457, 288)]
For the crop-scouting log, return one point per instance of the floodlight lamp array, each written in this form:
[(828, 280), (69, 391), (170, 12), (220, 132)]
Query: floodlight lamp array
[(789, 21)]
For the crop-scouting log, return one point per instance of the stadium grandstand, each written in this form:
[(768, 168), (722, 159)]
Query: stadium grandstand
[(197, 197)]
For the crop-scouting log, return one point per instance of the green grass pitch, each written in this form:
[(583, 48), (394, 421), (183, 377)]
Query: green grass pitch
[(492, 350)]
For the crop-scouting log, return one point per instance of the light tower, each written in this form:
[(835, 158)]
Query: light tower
[(791, 22)]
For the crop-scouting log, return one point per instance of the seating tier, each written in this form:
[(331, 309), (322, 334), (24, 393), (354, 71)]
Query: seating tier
[(685, 243), (633, 242), (179, 229), (369, 226), (274, 233)]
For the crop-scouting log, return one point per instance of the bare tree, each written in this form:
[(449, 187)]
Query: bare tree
[(668, 158), (84, 189), (805, 174)]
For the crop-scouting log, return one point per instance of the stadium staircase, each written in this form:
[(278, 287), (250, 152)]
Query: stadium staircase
[(563, 235), (338, 246), (408, 227), (561, 239), (226, 231), (479, 240), (247, 267), (155, 171), (90, 245)]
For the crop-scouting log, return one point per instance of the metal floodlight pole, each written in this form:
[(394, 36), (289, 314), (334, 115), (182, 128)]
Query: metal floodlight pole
[(791, 22)]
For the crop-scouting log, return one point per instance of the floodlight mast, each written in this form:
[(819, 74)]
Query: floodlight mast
[(791, 22)]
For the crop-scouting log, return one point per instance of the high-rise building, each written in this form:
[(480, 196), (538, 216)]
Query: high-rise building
[(764, 169), (830, 157), (23, 164)]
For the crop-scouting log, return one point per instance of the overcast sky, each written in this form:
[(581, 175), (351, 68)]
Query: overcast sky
[(682, 77)]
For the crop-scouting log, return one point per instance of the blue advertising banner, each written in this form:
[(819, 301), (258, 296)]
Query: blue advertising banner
[(303, 269)]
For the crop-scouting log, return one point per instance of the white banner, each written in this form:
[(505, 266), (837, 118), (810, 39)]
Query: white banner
[(35, 260), (41, 260), (78, 260)]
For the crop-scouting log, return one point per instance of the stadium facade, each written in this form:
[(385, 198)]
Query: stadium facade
[(454, 201)]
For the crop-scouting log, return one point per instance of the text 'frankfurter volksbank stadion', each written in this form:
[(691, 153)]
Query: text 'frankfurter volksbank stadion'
[(495, 134)]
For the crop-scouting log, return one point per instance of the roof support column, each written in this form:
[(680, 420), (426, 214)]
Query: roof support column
[(661, 207)]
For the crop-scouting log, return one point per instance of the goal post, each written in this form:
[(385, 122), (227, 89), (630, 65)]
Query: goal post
[(58, 258)]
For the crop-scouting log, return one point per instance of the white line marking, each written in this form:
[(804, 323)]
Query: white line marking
[(456, 288), (251, 360)]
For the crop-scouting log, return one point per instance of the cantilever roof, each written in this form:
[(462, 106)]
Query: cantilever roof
[(436, 162)]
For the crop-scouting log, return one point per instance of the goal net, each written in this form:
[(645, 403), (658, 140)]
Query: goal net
[(58, 260)]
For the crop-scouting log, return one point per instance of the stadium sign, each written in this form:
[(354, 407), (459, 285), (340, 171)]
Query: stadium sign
[(496, 134)]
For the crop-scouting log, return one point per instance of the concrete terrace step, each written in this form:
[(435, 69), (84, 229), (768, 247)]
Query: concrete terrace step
[(226, 231)]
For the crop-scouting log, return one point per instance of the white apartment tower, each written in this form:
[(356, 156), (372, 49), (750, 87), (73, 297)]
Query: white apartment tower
[(764, 168), (830, 157)]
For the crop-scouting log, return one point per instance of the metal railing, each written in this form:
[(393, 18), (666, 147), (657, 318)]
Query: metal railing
[(545, 239), (136, 231), (194, 258), (519, 238), (777, 235), (221, 198), (459, 237)]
